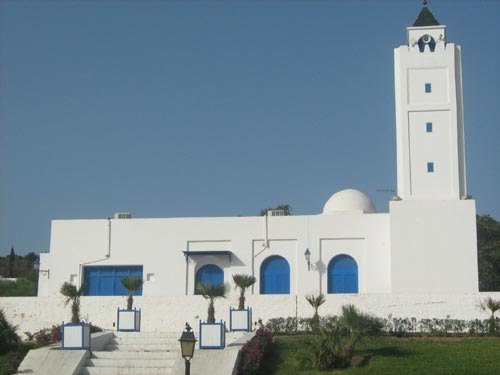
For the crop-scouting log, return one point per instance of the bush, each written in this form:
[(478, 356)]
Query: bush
[(253, 351), (9, 339), (22, 287)]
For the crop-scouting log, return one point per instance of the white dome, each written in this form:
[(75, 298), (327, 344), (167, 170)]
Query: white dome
[(349, 200)]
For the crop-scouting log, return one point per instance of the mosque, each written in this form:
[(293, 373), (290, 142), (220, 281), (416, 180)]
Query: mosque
[(426, 243)]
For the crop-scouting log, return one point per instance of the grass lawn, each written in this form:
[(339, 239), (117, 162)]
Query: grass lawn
[(398, 356)]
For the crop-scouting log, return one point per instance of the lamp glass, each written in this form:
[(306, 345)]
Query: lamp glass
[(188, 342), (307, 254)]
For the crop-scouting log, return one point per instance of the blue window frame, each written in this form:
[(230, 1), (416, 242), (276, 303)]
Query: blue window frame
[(275, 276), (209, 273), (106, 280), (430, 167), (428, 127), (428, 87), (342, 275)]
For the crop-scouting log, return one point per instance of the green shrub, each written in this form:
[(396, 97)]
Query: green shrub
[(22, 287), (9, 339)]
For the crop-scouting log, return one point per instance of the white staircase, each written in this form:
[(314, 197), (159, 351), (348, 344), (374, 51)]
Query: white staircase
[(135, 353)]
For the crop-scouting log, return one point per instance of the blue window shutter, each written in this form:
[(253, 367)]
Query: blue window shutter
[(342, 275), (209, 273), (275, 276), (105, 280)]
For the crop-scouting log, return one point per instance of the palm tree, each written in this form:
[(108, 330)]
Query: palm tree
[(131, 283), (243, 282), (357, 325), (492, 305), (315, 302), (72, 294), (211, 292)]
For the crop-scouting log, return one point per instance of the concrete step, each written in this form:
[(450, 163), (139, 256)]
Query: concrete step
[(146, 340), (119, 354), (125, 371), (142, 347), (175, 335), (130, 363)]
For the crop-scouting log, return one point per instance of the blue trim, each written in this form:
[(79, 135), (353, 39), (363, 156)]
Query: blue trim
[(82, 346), (137, 325), (428, 88), (222, 335), (249, 320)]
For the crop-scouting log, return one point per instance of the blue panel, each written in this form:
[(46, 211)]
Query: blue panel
[(342, 275), (105, 280), (430, 167), (428, 126), (275, 276), (209, 273), (428, 87)]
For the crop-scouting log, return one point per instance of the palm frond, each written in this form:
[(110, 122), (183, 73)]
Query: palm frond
[(316, 301), (211, 291), (244, 281), (132, 283)]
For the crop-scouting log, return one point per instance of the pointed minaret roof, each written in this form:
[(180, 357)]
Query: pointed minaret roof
[(425, 18)]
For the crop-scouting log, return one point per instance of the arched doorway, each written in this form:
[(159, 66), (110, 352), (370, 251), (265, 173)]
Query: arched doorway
[(342, 275), (209, 273), (275, 276)]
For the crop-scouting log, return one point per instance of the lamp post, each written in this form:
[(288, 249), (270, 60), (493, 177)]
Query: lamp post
[(188, 342), (307, 254)]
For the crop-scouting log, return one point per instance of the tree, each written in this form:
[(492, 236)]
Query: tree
[(72, 294), (211, 292), (493, 306), (488, 245), (243, 282), (131, 283), (285, 207), (315, 302), (10, 262)]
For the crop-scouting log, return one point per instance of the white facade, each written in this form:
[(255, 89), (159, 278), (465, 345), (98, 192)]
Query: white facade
[(425, 244)]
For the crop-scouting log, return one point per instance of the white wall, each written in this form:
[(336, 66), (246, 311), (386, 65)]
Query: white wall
[(157, 244), (433, 246), (169, 314)]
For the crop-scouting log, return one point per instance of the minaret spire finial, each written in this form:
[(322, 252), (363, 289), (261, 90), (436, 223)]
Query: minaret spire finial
[(424, 3)]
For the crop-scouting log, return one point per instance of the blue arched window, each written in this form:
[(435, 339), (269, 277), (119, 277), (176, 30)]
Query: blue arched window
[(275, 276), (342, 275), (209, 273)]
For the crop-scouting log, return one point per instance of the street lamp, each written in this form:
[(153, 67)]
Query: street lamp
[(188, 343), (307, 254)]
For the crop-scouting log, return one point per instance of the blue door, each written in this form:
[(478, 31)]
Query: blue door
[(209, 273), (342, 275), (275, 276), (105, 280)]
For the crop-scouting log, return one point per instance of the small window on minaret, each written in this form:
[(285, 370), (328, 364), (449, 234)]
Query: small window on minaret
[(428, 127), (430, 167), (428, 87)]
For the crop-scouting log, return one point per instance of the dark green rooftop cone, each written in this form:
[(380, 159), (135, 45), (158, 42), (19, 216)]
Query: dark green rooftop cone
[(426, 18)]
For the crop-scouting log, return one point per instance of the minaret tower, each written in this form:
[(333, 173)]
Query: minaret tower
[(429, 114), (432, 220)]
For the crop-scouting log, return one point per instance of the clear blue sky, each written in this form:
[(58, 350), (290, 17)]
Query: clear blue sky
[(198, 108)]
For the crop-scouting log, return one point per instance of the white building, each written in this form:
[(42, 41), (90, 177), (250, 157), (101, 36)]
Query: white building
[(426, 243)]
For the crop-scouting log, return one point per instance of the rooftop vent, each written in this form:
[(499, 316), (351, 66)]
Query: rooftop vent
[(123, 215), (276, 213)]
